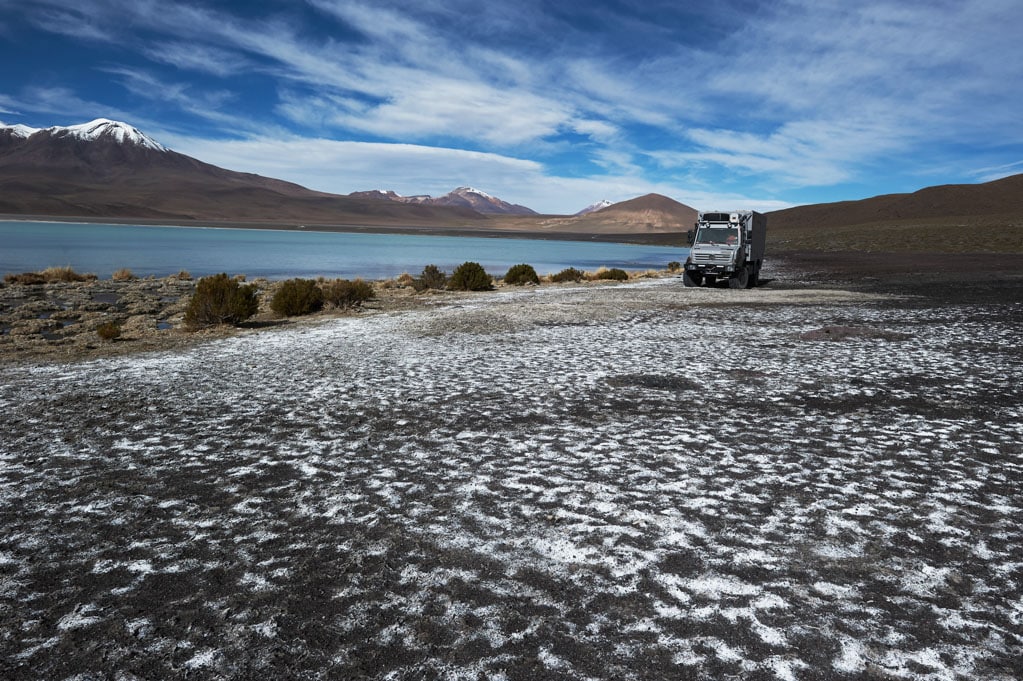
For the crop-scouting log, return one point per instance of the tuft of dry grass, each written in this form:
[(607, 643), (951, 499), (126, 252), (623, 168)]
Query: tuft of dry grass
[(48, 276), (123, 274), (612, 274), (403, 280), (66, 274)]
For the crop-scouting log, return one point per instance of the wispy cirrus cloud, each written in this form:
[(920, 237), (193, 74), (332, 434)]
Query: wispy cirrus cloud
[(62, 101), (67, 21), (343, 167), (775, 95), (202, 58)]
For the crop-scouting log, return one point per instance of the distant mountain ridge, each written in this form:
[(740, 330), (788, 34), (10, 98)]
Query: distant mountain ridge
[(110, 169), (465, 197)]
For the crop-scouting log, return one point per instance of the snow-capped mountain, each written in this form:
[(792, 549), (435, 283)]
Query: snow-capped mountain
[(462, 197), (106, 168), (594, 207), (97, 130), (102, 128), (480, 202), (20, 131)]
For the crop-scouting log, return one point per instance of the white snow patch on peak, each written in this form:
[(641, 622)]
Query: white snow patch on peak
[(19, 130), (103, 127), (594, 207), (472, 190)]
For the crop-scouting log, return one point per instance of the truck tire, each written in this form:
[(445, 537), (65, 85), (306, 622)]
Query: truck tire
[(692, 278), (740, 279)]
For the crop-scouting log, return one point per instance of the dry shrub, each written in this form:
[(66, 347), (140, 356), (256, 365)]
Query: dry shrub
[(432, 277), (184, 275), (470, 276), (220, 299), (568, 274), (674, 266), (519, 275), (109, 331), (25, 278), (344, 294), (47, 276), (612, 274), (123, 274), (297, 297)]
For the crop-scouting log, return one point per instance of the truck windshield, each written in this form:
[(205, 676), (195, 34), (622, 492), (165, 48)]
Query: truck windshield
[(718, 235)]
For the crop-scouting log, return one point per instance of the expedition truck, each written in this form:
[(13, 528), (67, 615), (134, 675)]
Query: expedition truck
[(726, 245)]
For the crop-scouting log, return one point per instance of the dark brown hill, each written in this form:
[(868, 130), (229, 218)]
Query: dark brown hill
[(59, 174), (955, 217)]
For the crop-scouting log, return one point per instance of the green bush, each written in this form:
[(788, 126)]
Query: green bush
[(109, 331), (614, 274), (568, 274), (674, 266), (220, 300), (297, 297), (521, 274), (470, 276), (432, 277), (342, 293)]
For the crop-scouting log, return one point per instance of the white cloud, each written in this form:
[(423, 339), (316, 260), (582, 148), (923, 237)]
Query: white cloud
[(804, 153), (64, 103), (202, 58), (997, 172), (795, 93), (71, 22), (344, 167)]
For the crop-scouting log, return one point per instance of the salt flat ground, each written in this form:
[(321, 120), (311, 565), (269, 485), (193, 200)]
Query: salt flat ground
[(630, 482)]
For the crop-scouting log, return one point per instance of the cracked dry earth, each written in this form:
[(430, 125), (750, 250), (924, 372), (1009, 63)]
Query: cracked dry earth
[(633, 482)]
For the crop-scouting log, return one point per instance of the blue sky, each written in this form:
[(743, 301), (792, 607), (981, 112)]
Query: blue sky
[(730, 104)]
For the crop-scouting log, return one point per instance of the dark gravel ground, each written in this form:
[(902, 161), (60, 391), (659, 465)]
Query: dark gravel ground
[(631, 482)]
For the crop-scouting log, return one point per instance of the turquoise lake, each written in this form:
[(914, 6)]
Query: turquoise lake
[(278, 254)]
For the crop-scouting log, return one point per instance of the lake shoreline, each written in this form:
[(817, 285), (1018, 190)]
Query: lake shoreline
[(648, 239), (57, 322)]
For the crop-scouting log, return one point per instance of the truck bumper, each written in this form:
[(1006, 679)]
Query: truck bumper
[(717, 270)]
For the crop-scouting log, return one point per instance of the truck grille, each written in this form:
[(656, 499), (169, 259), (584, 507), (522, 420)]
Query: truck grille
[(711, 258)]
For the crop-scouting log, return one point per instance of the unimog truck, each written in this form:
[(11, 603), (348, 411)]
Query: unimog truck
[(726, 245)]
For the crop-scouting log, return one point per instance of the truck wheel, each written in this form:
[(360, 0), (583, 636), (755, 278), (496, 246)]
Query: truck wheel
[(692, 278), (754, 278), (740, 279)]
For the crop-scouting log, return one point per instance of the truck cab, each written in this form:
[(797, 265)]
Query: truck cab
[(726, 245)]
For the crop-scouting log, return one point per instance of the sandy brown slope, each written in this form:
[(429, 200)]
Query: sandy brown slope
[(652, 214)]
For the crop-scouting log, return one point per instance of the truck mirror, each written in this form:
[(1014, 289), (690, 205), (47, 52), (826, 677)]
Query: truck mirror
[(689, 237)]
